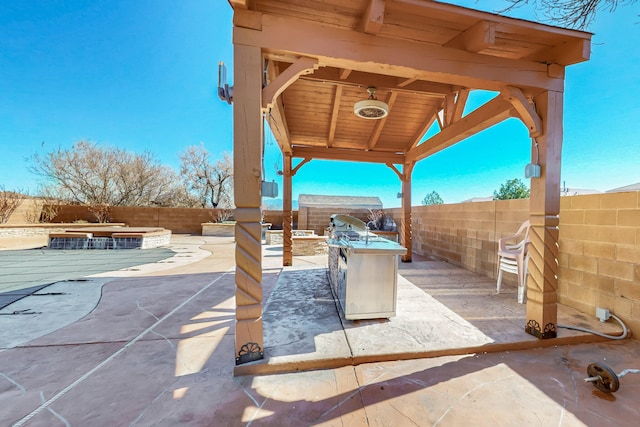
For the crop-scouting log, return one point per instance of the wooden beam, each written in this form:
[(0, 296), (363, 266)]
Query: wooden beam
[(491, 113), (299, 165), (344, 74), (379, 126), (571, 52), (287, 214), (544, 209), (406, 238), (381, 82), (447, 109), (461, 101), (285, 79), (406, 82), (343, 48), (278, 124), (335, 109), (247, 159), (480, 36), (526, 110), (247, 19), (239, 4), (393, 168), (373, 17), (347, 155)]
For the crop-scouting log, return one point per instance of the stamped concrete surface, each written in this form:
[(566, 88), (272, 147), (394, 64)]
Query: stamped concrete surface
[(157, 350)]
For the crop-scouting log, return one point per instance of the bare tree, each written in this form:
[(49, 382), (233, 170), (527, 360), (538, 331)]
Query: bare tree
[(9, 202), (570, 13), (211, 184), (104, 176)]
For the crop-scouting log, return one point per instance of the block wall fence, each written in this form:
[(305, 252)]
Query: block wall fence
[(178, 220), (599, 245)]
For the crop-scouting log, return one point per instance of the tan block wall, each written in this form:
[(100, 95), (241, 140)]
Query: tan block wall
[(178, 220), (599, 245), (599, 263), (317, 219), (465, 234)]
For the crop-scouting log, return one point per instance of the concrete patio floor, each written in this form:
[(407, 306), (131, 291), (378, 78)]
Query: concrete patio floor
[(156, 348)]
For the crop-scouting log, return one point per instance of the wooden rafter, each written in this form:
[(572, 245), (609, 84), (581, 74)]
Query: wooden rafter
[(476, 38), (406, 82), (381, 82), (447, 110), (393, 168), (373, 17), (489, 114), (278, 124), (344, 74), (572, 52), (299, 165), (379, 126), (461, 101), (347, 155), (335, 109)]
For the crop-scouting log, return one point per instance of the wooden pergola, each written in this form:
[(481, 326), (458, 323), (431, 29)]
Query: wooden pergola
[(303, 64)]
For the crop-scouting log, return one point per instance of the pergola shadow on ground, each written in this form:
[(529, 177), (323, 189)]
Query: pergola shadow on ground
[(442, 310)]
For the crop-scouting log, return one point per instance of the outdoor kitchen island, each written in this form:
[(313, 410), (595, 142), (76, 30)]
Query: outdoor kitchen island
[(363, 269)]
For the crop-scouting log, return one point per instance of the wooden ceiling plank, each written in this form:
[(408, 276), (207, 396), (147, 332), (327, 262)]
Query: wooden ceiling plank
[(348, 155), (302, 66), (379, 126), (334, 115), (373, 17), (526, 110), (343, 48), (476, 38), (489, 114)]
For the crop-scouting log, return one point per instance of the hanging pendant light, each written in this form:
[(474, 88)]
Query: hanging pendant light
[(371, 108)]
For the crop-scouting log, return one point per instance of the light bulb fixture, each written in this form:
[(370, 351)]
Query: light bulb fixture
[(371, 108)]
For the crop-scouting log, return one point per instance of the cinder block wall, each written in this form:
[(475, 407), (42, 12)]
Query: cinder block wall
[(178, 220), (465, 234), (317, 219), (600, 254), (599, 245)]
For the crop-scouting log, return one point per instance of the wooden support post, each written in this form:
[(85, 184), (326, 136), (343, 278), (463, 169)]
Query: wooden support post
[(405, 222), (247, 158), (544, 209), (287, 215)]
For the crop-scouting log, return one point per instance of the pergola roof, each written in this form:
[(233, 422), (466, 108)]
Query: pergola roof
[(422, 56)]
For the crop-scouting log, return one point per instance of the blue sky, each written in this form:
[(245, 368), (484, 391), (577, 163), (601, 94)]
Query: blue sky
[(142, 75)]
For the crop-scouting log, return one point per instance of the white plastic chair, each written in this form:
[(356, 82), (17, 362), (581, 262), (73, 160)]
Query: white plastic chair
[(513, 257)]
